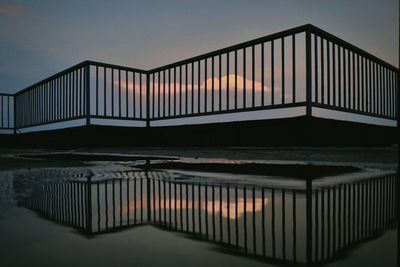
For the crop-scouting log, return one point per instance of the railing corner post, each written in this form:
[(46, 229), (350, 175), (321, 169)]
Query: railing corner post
[(87, 89), (308, 74)]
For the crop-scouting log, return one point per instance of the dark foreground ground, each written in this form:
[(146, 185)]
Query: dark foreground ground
[(296, 131)]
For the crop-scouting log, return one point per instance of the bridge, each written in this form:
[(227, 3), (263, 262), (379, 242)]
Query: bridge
[(299, 86)]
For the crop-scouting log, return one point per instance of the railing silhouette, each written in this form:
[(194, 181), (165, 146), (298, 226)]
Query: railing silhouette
[(127, 97), (282, 225), (58, 98), (230, 80), (300, 67), (346, 78), (93, 207), (67, 96), (345, 215), (249, 219)]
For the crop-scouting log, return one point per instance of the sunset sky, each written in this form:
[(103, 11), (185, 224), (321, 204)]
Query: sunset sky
[(40, 38)]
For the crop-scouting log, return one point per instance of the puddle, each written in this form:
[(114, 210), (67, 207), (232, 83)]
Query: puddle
[(261, 212)]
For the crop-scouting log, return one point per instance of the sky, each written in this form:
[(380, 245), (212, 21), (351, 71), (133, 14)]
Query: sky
[(39, 38)]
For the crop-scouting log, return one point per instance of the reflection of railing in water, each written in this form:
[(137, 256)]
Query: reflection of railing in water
[(251, 219), (115, 203), (268, 223), (118, 203), (64, 201), (347, 214)]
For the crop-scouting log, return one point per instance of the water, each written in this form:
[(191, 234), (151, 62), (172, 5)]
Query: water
[(122, 215)]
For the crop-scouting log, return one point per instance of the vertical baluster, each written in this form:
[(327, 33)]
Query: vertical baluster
[(220, 82), (186, 89), (362, 85), (192, 80), (328, 66), (164, 99), (339, 76), (212, 84), (262, 74), (198, 85), (253, 72), (358, 82), (180, 90), (227, 80), (349, 79), (272, 74), (283, 70), (127, 95), (316, 67), (293, 69), (236, 74), (244, 77), (322, 72), (334, 74)]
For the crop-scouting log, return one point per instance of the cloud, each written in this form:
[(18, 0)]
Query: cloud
[(224, 79), (51, 50), (240, 87)]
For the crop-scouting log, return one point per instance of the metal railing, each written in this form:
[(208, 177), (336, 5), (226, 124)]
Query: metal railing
[(117, 92), (242, 77), (59, 98), (346, 78), (300, 67)]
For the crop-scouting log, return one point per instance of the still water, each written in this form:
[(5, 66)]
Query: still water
[(111, 215)]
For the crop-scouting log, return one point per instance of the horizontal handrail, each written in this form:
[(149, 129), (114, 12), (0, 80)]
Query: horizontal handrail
[(112, 66), (54, 76), (78, 66), (267, 38)]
